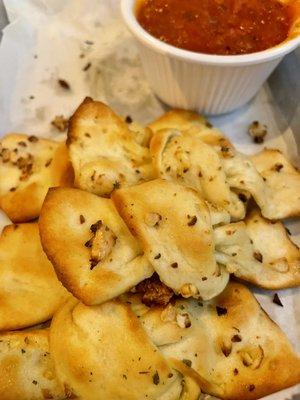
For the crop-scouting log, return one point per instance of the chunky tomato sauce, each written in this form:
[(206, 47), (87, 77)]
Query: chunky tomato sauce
[(216, 26)]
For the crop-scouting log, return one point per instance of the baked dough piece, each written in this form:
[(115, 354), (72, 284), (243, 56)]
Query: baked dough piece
[(188, 160), (259, 252), (103, 352), (230, 342), (104, 152), (27, 369), (92, 250), (283, 179), (29, 290), (28, 167), (279, 255), (173, 225), (272, 181)]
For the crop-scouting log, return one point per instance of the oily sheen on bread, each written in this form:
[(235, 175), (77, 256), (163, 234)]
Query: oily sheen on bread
[(229, 344), (29, 290), (90, 247), (103, 352), (104, 152), (173, 225), (27, 368), (28, 167)]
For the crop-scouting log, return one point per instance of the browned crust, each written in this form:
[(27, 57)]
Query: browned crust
[(22, 205), (74, 118), (178, 114), (17, 313), (45, 233), (47, 240), (64, 240), (90, 108)]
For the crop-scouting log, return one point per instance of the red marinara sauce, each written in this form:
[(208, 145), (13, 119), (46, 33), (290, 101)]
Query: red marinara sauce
[(224, 27)]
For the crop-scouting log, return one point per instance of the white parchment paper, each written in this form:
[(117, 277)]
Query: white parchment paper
[(85, 43)]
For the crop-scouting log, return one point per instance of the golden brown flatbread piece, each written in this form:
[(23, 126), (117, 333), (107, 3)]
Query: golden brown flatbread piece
[(27, 369), (28, 167), (229, 342), (103, 352), (29, 290), (173, 224), (105, 154), (92, 250)]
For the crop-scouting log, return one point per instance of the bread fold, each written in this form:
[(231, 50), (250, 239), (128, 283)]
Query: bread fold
[(89, 245)]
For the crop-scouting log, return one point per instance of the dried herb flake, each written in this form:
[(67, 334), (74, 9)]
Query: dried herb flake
[(193, 221), (155, 378), (33, 139), (276, 300), (236, 338), (221, 311), (258, 256), (64, 84), (87, 66), (187, 362)]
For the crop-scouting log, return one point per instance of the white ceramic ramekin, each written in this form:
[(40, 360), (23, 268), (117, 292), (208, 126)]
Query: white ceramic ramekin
[(209, 84)]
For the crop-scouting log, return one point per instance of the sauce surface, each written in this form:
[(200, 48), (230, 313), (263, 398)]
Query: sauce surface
[(224, 27)]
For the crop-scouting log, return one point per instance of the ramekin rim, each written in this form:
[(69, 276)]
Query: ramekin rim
[(127, 9)]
